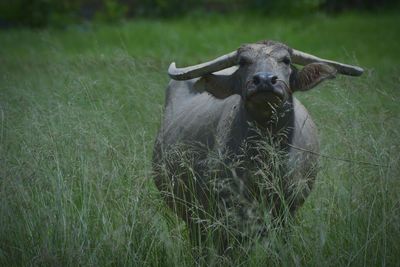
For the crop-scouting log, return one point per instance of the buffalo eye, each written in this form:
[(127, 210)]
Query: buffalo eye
[(286, 60), (243, 61)]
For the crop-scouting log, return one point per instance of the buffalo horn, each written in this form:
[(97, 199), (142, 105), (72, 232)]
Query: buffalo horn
[(303, 58), (195, 71)]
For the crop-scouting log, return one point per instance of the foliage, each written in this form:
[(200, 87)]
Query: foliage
[(59, 13), (285, 7), (340, 5), (79, 110), (112, 11), (37, 13)]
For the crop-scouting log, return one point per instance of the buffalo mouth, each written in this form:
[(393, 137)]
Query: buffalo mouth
[(265, 93)]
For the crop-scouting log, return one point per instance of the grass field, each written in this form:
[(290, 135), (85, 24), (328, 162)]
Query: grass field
[(79, 110)]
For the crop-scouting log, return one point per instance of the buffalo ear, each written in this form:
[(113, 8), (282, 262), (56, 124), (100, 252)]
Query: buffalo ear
[(311, 75), (220, 86)]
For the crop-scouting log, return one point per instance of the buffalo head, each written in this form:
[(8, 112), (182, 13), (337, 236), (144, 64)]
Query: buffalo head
[(264, 75)]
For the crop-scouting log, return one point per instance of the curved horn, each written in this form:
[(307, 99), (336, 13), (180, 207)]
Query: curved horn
[(302, 58), (195, 71)]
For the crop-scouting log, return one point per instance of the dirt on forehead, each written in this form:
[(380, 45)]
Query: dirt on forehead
[(276, 46)]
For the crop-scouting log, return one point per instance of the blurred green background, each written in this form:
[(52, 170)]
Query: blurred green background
[(59, 13)]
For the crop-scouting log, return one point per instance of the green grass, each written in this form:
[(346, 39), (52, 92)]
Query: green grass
[(79, 110)]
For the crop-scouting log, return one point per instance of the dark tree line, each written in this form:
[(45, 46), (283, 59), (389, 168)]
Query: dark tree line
[(38, 13), (341, 5)]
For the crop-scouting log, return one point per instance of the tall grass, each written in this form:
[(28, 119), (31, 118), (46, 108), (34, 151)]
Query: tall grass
[(79, 110)]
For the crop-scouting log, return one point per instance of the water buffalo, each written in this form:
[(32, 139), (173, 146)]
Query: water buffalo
[(235, 146)]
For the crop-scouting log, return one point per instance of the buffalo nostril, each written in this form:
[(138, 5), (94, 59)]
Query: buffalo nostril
[(256, 80), (273, 79)]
